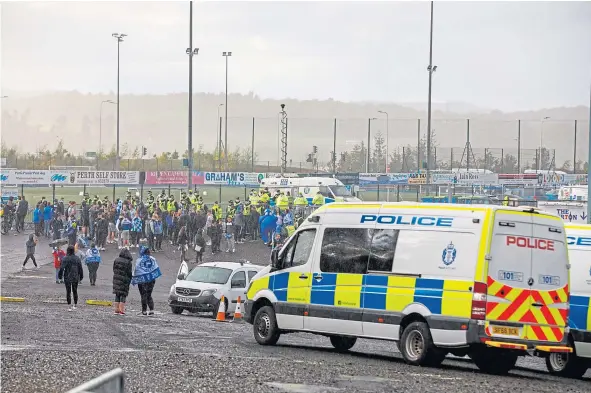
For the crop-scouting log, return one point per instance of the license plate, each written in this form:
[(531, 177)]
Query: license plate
[(185, 299), (505, 331)]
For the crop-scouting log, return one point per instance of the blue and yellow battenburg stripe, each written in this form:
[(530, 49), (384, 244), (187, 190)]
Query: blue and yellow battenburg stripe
[(580, 316), (371, 291)]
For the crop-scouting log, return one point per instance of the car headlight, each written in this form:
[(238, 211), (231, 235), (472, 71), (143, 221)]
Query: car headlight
[(208, 292)]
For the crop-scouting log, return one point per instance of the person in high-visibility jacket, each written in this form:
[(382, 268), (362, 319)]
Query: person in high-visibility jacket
[(253, 197), (230, 210), (282, 202), (290, 199), (318, 199), (216, 211), (300, 204), (506, 200), (171, 207), (264, 199)]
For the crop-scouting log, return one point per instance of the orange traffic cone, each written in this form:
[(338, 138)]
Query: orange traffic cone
[(221, 317), (238, 312)]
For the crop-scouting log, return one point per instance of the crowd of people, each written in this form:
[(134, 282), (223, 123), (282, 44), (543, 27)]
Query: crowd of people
[(146, 224)]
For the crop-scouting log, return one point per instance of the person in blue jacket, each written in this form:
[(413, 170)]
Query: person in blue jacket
[(47, 216), (37, 215), (92, 260)]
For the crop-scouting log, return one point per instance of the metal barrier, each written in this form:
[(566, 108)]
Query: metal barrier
[(111, 382)]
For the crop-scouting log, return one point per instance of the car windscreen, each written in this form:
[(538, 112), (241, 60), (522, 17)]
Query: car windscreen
[(340, 191), (209, 274)]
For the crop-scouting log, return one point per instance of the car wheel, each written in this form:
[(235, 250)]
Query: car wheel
[(493, 361), (566, 365), (265, 327), (177, 310), (342, 343), (417, 348)]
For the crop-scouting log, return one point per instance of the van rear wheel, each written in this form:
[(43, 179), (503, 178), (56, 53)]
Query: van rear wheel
[(342, 343), (566, 365), (492, 361), (417, 348)]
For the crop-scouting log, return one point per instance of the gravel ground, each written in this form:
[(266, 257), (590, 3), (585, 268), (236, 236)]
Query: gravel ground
[(47, 349)]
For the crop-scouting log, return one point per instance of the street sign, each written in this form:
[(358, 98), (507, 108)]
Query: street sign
[(90, 154)]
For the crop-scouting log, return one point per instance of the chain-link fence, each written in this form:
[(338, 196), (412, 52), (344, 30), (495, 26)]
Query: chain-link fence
[(351, 145)]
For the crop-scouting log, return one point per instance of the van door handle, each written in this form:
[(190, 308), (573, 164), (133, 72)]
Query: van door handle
[(538, 304), (303, 276), (318, 277)]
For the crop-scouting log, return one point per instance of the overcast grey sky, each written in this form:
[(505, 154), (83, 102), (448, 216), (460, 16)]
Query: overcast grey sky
[(502, 55)]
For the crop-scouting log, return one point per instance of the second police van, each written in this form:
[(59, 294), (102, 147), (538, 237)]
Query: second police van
[(575, 364), (486, 281)]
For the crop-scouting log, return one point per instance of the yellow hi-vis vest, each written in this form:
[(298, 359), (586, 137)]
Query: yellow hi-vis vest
[(318, 199)]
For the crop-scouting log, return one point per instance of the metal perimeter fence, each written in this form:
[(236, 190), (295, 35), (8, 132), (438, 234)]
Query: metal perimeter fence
[(350, 145)]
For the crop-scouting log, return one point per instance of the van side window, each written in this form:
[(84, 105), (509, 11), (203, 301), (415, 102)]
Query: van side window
[(238, 280), (299, 249), (345, 250), (383, 246)]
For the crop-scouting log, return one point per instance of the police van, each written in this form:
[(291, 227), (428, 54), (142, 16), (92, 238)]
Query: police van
[(576, 364), (486, 281), (332, 189)]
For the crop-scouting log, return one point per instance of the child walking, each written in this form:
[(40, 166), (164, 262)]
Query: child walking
[(58, 255), (30, 245)]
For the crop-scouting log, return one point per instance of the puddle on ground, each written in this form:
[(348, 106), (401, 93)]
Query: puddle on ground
[(301, 388)]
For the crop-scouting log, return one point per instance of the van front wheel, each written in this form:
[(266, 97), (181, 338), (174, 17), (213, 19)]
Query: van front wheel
[(342, 343), (417, 348), (266, 331), (566, 365)]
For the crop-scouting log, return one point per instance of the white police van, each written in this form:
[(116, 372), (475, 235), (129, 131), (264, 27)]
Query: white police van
[(333, 189), (575, 365), (486, 281)]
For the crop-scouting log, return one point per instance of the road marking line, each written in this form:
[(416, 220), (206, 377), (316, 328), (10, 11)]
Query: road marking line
[(94, 302), (12, 299), (16, 276)]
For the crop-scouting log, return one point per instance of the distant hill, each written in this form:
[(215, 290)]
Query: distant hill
[(159, 122)]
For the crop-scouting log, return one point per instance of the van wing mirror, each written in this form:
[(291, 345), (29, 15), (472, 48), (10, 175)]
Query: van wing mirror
[(275, 261), (181, 276)]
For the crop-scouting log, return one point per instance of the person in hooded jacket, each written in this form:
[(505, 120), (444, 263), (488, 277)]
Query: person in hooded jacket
[(71, 273), (122, 274), (30, 245), (144, 276), (92, 260)]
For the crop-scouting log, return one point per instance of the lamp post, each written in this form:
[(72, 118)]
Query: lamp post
[(100, 149), (431, 68), (368, 142), (541, 142), (190, 51), (387, 139), (119, 37), (226, 55), (219, 119)]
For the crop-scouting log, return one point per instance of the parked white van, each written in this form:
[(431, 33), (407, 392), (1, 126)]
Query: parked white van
[(575, 364), (332, 189), (477, 280)]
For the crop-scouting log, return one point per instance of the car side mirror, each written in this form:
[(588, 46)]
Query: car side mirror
[(181, 276)]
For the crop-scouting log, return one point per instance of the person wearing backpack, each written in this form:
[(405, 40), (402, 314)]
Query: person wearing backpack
[(157, 229)]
